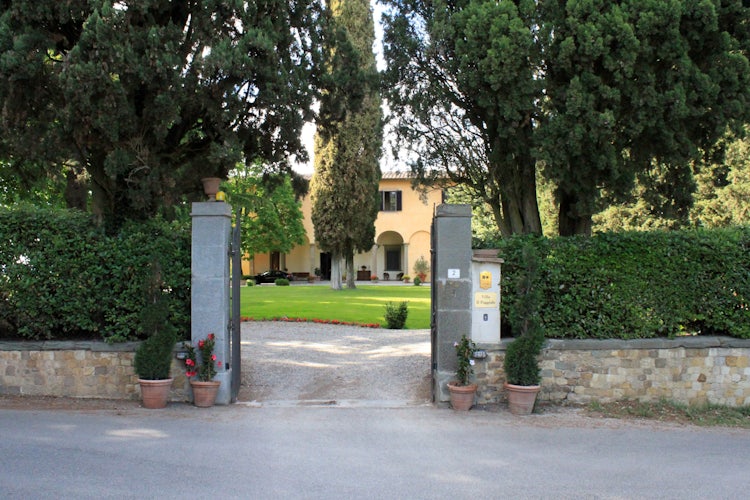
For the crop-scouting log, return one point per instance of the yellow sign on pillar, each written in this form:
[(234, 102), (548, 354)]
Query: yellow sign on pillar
[(485, 280), (485, 299)]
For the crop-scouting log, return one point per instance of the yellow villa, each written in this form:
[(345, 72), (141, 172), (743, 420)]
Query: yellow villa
[(402, 236)]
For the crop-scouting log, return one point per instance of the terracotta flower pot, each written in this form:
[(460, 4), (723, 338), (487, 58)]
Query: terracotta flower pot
[(204, 393), (154, 393), (521, 398), (462, 396)]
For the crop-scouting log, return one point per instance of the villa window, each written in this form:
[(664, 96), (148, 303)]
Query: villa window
[(390, 201)]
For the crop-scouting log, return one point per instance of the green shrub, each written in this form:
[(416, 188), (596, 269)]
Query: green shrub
[(417, 281), (281, 282), (521, 363), (395, 315), (250, 283), (153, 357), (130, 255), (61, 277), (638, 285)]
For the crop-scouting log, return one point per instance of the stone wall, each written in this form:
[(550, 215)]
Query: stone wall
[(76, 369), (689, 370)]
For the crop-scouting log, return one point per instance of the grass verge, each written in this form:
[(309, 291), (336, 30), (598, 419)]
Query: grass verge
[(669, 411), (363, 305)]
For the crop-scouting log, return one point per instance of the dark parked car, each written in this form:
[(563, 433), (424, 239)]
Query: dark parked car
[(272, 276)]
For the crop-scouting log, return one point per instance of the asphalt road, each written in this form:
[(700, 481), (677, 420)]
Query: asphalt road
[(344, 413), (323, 452)]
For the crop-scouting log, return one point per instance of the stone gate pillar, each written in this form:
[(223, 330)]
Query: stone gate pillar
[(452, 285), (209, 295)]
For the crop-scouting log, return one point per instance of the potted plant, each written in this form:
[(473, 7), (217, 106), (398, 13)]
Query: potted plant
[(201, 370), (152, 363), (462, 390), (153, 357), (421, 268), (521, 362), (406, 278)]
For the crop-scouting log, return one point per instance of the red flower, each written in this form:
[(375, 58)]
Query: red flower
[(219, 364), (201, 343), (211, 336), (189, 362), (213, 357)]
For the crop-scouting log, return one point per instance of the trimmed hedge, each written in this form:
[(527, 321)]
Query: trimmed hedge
[(639, 284), (61, 277)]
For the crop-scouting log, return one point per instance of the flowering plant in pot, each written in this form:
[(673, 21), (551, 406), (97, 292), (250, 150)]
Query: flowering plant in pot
[(201, 367), (462, 390)]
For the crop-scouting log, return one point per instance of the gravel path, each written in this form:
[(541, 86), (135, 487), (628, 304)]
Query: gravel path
[(308, 363)]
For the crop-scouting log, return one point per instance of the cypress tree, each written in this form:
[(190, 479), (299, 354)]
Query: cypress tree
[(344, 187)]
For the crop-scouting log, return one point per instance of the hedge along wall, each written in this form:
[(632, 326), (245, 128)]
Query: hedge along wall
[(639, 285), (61, 277)]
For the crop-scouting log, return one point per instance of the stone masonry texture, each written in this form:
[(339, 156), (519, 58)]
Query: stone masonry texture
[(694, 370), (691, 371), (76, 369)]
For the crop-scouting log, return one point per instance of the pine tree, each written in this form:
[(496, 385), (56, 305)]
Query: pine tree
[(344, 187)]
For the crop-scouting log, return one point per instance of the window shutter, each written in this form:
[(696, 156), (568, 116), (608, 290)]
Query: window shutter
[(398, 200), (382, 200)]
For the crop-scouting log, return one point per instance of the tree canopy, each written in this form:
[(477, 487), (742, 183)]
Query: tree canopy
[(271, 218), (344, 186), (594, 92), (142, 99)]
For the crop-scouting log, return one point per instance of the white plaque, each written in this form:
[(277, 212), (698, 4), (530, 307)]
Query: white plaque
[(454, 274)]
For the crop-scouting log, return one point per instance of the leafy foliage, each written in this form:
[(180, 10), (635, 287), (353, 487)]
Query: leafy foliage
[(61, 277), (396, 314), (272, 217), (521, 363), (149, 97), (638, 285), (595, 93), (153, 357), (203, 362), (465, 360), (344, 187)]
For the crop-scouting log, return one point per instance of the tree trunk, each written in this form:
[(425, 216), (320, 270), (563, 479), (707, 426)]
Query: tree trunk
[(520, 210), (570, 220), (350, 273), (335, 271), (76, 192)]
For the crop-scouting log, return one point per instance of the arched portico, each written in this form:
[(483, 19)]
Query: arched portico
[(391, 255)]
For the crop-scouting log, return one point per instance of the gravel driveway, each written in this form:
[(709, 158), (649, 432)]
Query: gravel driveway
[(309, 363)]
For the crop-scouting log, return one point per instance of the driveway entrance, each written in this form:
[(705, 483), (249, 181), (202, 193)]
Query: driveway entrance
[(314, 364)]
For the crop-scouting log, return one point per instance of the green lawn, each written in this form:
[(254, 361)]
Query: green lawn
[(365, 304)]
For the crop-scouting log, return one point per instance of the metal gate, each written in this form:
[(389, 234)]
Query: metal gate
[(234, 313), (433, 307)]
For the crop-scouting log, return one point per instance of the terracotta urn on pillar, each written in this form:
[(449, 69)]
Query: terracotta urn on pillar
[(211, 187)]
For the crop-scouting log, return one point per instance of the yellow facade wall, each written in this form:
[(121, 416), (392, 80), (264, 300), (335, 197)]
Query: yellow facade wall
[(401, 236)]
